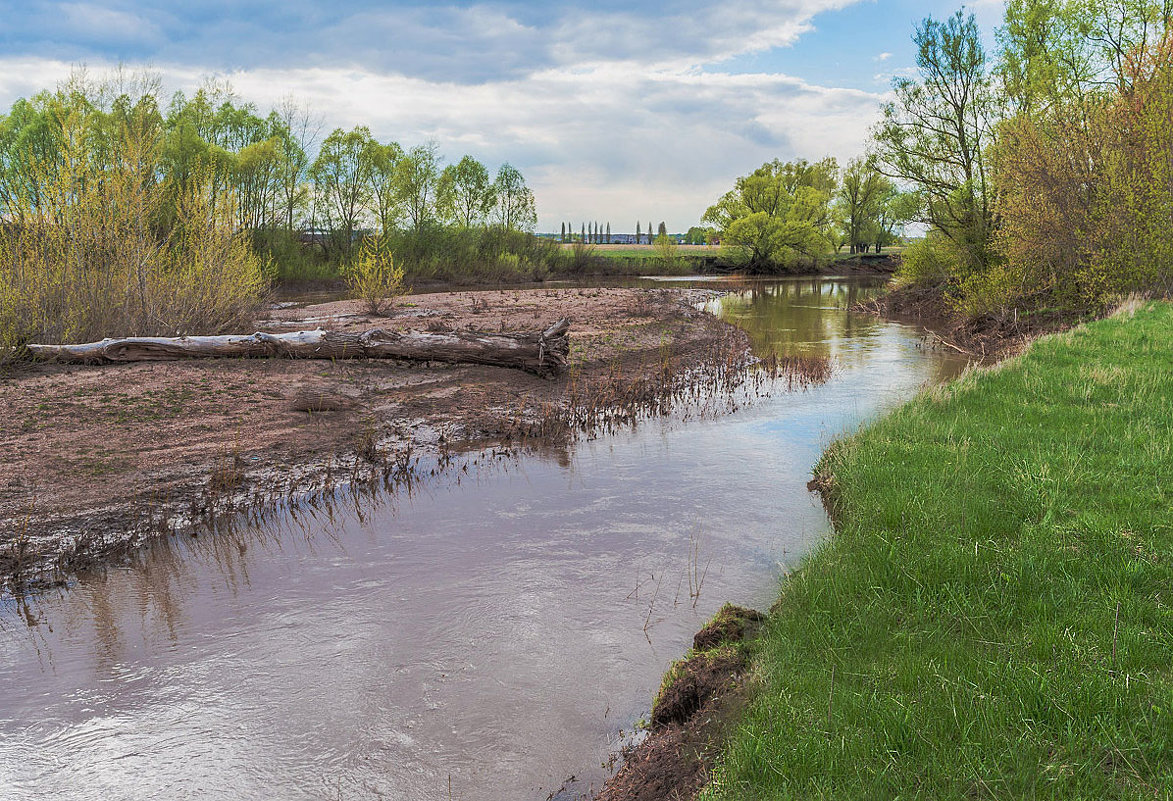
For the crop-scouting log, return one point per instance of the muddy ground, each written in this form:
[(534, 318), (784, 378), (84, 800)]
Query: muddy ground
[(95, 459), (987, 337), (701, 698)]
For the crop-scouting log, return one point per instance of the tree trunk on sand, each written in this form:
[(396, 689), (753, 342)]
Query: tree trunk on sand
[(542, 353)]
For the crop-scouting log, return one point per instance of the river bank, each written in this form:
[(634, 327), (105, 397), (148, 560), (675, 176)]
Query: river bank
[(97, 459), (990, 618), (479, 634)]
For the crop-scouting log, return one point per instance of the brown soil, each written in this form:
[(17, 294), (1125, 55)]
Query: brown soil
[(97, 458), (701, 697), (988, 337), (730, 624), (866, 264)]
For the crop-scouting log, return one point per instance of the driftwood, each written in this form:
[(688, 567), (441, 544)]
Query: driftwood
[(543, 353)]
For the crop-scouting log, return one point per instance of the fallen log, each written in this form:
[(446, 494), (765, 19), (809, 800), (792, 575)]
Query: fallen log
[(542, 353)]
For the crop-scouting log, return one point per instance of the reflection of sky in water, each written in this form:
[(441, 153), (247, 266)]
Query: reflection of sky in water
[(490, 628)]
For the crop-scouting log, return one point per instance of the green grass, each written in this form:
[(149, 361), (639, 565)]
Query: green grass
[(650, 251), (992, 618)]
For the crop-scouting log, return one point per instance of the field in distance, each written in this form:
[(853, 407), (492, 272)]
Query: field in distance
[(649, 251)]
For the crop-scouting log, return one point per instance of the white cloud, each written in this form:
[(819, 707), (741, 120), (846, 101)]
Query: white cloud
[(610, 116), (95, 23), (882, 57), (597, 143)]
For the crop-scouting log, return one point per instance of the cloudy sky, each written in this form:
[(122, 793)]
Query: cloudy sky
[(614, 111)]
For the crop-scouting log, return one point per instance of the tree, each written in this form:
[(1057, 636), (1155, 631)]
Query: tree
[(777, 213), (466, 193), (387, 201), (295, 128), (256, 179), (863, 196), (563, 237), (894, 209), (515, 209), (1085, 187), (936, 132), (637, 233), (608, 233), (417, 175), (342, 181)]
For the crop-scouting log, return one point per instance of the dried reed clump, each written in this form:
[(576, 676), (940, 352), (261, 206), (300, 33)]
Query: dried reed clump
[(719, 381), (94, 242)]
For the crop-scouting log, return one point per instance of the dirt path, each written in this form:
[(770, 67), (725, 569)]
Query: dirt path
[(95, 459)]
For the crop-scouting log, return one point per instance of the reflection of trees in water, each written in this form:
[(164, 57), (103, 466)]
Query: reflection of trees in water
[(806, 316)]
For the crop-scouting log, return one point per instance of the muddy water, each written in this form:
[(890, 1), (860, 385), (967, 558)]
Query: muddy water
[(490, 636)]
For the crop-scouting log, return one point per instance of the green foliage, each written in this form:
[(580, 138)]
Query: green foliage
[(935, 132), (991, 618), (698, 235), (466, 196), (373, 277), (1083, 164), (515, 209), (929, 261), (777, 214), (477, 255), (100, 241)]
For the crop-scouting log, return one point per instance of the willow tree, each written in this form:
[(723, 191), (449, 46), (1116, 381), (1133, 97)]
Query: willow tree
[(934, 136), (777, 214), (386, 200), (466, 194), (515, 209), (342, 181), (865, 201)]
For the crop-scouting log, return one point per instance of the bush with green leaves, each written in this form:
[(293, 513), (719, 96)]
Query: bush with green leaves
[(373, 277)]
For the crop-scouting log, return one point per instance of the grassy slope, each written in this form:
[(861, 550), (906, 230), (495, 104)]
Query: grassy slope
[(987, 534)]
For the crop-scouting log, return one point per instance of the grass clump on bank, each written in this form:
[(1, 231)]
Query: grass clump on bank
[(993, 617)]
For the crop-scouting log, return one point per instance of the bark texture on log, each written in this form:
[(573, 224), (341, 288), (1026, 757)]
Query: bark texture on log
[(543, 353)]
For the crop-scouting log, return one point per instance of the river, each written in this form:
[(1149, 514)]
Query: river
[(487, 636)]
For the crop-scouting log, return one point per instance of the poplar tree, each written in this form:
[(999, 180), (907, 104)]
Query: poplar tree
[(637, 233), (608, 233)]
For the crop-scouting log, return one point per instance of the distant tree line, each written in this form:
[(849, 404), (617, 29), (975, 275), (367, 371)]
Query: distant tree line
[(278, 179), (600, 234)]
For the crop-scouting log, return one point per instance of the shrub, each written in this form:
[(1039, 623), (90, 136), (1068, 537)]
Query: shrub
[(373, 277), (106, 247), (928, 262), (996, 290), (667, 251)]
